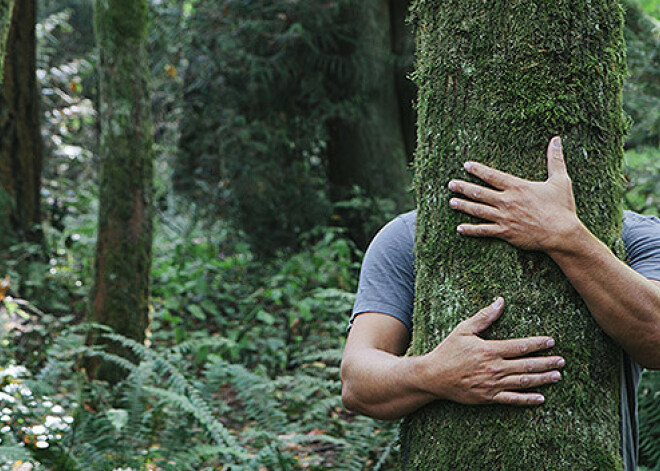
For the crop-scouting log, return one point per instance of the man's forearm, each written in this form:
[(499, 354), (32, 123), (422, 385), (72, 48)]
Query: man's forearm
[(382, 385), (624, 303)]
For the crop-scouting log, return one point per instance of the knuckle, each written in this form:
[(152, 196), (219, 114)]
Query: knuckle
[(524, 381), (483, 351), (493, 370), (529, 366), (508, 202), (503, 230)]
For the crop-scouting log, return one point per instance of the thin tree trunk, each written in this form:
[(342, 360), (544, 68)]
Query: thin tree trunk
[(123, 251), (20, 136), (6, 8), (497, 80)]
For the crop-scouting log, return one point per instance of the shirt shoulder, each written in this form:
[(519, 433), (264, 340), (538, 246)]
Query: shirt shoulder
[(387, 279), (641, 237)]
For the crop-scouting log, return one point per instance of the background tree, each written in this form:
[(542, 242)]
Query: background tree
[(367, 148), (123, 251), (496, 81), (20, 133), (642, 87), (322, 113), (6, 7)]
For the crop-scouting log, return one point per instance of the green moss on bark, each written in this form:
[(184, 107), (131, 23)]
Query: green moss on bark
[(496, 81), (123, 253)]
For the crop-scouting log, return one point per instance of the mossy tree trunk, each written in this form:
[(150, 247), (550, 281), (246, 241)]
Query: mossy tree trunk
[(497, 80), (20, 135), (123, 251), (368, 149)]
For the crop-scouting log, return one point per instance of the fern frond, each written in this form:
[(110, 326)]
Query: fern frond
[(214, 428)]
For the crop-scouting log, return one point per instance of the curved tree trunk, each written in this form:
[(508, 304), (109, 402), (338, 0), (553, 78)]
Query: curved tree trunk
[(497, 80), (20, 135), (123, 251)]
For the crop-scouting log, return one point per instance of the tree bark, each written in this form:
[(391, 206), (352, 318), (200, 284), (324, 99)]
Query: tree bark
[(497, 80), (6, 8), (369, 149), (20, 135), (123, 251)]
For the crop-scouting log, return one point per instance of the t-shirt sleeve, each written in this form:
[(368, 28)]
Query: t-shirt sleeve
[(387, 280), (641, 236)]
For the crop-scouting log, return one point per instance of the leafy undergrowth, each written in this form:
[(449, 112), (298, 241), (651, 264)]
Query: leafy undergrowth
[(241, 370)]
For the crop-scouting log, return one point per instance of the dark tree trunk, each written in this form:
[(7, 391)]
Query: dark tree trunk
[(123, 251), (369, 149), (20, 136), (403, 48), (497, 80)]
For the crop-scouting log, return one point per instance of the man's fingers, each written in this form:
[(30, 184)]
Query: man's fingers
[(556, 163), (518, 399), (518, 347), (529, 380), (483, 319), (495, 178), (532, 365), (479, 210), (480, 230), (475, 192)]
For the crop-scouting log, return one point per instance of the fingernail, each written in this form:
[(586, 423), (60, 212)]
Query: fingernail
[(452, 185), (561, 362), (550, 343), (498, 303), (453, 203), (460, 229), (555, 376), (556, 142), (539, 399), (467, 166)]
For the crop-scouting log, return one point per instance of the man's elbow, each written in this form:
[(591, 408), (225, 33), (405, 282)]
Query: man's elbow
[(650, 363), (353, 403), (348, 399), (650, 359)]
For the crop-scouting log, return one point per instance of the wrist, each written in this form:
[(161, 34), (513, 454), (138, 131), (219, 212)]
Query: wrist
[(570, 239), (425, 376)]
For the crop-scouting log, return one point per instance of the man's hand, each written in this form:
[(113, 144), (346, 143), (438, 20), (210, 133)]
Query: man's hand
[(529, 215), (468, 369)]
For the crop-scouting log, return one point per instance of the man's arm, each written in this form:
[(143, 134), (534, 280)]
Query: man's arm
[(541, 216), (377, 381)]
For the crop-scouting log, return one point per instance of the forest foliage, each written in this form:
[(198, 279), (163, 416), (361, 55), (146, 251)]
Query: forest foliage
[(254, 264)]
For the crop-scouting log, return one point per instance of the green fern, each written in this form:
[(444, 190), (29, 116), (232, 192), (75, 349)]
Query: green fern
[(649, 420)]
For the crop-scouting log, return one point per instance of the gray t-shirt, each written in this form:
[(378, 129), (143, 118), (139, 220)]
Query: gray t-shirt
[(387, 286)]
